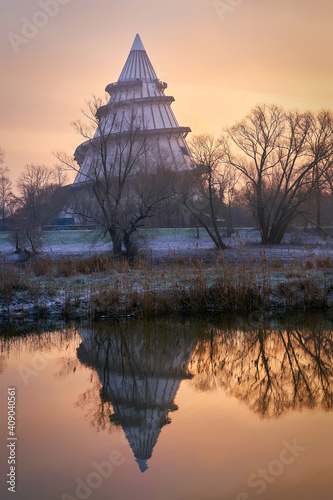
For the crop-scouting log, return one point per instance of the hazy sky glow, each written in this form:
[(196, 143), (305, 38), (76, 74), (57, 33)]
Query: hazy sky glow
[(218, 62)]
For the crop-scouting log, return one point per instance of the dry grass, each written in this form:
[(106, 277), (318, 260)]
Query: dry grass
[(69, 266), (99, 286), (325, 262), (14, 282)]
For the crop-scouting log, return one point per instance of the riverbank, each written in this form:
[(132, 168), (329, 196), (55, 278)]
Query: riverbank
[(197, 281)]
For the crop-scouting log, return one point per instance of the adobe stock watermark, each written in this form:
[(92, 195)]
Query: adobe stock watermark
[(225, 7), (260, 480), (38, 364), (31, 27), (100, 471)]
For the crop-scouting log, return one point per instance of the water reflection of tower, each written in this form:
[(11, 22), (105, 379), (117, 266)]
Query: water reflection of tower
[(140, 375)]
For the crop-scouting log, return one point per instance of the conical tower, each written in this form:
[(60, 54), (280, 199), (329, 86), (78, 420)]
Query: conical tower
[(138, 90)]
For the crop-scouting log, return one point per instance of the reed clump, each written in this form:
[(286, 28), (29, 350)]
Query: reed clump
[(100, 286), (325, 262), (13, 282), (93, 264), (308, 292), (195, 296)]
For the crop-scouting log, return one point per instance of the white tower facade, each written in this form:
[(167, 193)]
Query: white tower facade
[(138, 91)]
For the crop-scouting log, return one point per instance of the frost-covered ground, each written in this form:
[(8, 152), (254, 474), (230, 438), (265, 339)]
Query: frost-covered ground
[(167, 243), (245, 243), (61, 243), (272, 274)]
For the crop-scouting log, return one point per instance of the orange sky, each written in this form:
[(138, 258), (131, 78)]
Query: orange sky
[(217, 64)]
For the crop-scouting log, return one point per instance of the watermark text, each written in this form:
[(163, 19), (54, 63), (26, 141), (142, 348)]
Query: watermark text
[(11, 440), (31, 27)]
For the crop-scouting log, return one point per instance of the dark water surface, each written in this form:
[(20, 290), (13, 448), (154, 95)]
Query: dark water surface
[(171, 410)]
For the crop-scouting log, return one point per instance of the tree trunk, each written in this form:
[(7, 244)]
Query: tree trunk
[(130, 247), (229, 221), (318, 203), (116, 243)]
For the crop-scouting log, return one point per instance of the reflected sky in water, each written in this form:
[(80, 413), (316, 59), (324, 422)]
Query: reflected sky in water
[(180, 409)]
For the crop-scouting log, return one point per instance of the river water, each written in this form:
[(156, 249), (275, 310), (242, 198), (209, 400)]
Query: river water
[(176, 409)]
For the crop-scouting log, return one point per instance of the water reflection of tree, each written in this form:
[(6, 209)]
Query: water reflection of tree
[(3, 364), (38, 340), (271, 371), (98, 409)]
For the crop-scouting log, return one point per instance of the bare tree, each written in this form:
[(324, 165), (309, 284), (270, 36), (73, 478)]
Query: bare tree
[(35, 204), (231, 182), (283, 159), (6, 195), (121, 179), (204, 193)]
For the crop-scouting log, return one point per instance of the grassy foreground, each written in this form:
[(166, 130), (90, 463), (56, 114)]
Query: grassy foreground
[(97, 286)]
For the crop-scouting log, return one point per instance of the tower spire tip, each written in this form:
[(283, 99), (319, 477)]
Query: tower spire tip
[(138, 45)]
